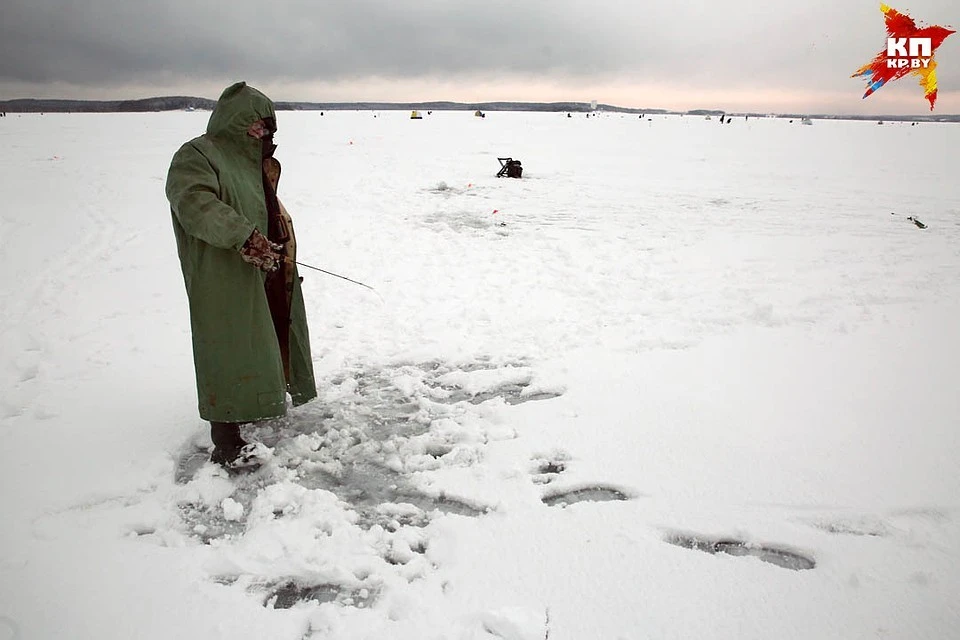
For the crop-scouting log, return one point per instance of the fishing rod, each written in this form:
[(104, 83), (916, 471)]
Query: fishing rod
[(331, 273)]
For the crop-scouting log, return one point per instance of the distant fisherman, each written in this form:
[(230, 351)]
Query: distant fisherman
[(237, 249)]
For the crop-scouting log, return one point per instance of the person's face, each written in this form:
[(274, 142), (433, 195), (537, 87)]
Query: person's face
[(258, 129), (263, 130)]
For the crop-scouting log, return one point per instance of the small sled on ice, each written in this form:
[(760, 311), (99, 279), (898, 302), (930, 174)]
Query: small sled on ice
[(919, 224), (510, 168)]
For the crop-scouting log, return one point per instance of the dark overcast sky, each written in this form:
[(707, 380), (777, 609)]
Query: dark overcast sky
[(738, 54)]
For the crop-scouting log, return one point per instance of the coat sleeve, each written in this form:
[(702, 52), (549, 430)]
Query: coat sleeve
[(193, 191)]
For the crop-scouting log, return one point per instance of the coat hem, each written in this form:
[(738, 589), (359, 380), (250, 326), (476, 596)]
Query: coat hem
[(210, 417)]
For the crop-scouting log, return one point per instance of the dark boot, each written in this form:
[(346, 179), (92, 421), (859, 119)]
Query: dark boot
[(229, 447)]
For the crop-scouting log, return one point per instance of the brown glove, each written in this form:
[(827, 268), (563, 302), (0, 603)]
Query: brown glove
[(261, 253)]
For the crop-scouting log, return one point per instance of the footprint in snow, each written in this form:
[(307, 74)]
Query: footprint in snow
[(188, 463), (589, 493), (899, 523), (291, 592), (852, 525), (547, 468), (285, 593), (776, 555)]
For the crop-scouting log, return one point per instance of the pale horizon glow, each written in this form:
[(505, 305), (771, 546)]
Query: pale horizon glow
[(902, 99)]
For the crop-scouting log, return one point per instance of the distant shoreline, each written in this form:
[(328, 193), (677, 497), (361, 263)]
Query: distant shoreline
[(187, 103)]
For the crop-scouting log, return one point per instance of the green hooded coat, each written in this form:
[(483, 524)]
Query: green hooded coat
[(215, 187)]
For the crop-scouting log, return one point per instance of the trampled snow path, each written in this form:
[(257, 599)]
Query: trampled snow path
[(687, 381), (378, 432)]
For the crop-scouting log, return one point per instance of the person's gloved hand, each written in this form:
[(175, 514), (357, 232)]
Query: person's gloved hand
[(261, 253)]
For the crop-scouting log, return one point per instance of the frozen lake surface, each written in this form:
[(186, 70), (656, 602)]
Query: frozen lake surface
[(682, 380)]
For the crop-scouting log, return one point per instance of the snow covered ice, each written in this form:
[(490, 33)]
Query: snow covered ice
[(679, 381)]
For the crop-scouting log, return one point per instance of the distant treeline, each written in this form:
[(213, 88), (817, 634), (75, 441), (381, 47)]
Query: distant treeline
[(170, 103), (186, 103), (181, 103)]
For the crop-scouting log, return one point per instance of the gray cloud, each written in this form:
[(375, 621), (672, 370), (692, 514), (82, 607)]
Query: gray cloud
[(740, 44)]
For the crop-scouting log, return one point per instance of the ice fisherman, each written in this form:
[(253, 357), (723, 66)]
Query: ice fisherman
[(237, 249)]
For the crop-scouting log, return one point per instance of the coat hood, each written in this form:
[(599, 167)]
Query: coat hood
[(238, 107)]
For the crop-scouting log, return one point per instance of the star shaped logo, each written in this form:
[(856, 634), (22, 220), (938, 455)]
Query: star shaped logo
[(909, 50)]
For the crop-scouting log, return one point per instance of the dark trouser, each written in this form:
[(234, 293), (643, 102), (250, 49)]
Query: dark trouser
[(226, 435)]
